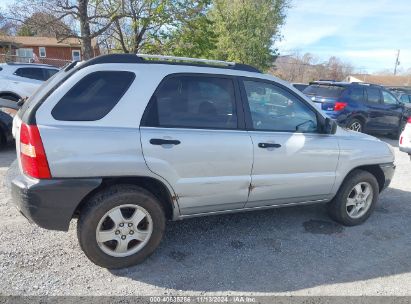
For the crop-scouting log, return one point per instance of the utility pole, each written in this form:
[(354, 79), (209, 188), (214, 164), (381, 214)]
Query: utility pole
[(397, 62)]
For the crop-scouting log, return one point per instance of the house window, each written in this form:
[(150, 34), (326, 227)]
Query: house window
[(24, 55), (75, 54), (42, 51)]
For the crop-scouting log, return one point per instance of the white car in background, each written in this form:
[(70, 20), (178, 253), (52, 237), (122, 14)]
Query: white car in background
[(19, 80), (405, 138)]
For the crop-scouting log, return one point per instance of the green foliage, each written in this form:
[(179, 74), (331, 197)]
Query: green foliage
[(196, 38), (247, 30), (25, 30), (237, 30)]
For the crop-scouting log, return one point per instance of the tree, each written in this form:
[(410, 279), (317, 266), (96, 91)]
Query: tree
[(147, 24), (6, 26), (86, 16), (247, 30), (44, 25)]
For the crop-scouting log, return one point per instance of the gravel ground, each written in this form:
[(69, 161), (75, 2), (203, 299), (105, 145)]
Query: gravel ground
[(289, 251)]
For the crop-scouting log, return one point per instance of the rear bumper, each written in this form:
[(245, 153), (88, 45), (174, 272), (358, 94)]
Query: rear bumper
[(50, 203), (388, 170)]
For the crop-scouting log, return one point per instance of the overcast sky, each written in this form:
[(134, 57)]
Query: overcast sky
[(366, 33)]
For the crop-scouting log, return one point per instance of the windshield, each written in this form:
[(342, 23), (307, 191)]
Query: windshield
[(328, 91)]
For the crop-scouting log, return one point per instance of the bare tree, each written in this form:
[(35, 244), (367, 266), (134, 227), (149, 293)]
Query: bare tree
[(307, 67), (87, 18)]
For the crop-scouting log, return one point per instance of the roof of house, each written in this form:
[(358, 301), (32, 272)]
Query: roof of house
[(43, 41), (384, 80)]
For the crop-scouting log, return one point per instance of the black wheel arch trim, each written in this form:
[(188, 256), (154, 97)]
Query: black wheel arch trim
[(53, 203)]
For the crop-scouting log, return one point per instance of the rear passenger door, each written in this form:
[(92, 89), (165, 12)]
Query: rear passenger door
[(192, 135)]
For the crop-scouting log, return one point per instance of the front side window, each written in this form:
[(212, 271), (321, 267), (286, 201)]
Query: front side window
[(193, 102), (32, 73), (274, 109), (389, 98), (94, 96), (373, 95)]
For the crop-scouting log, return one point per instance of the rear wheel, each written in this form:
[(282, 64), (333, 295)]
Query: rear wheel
[(355, 125), (356, 198), (121, 226), (2, 140)]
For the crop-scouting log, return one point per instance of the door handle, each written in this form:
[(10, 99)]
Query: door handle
[(159, 141), (268, 145)]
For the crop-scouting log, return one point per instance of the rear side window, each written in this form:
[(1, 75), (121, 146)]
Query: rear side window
[(326, 91), (94, 96), (355, 94), (193, 102), (373, 95), (31, 73)]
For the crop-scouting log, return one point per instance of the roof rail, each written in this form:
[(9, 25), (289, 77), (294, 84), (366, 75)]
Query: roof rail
[(159, 59), (175, 58)]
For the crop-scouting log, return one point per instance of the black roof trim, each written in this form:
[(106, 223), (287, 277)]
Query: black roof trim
[(132, 58)]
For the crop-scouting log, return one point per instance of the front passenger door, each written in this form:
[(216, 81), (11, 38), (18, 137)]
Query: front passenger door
[(292, 161)]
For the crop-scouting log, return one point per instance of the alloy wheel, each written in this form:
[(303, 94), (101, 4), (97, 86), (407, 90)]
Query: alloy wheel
[(359, 200), (124, 230)]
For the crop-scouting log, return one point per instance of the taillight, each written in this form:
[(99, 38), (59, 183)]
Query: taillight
[(339, 106), (409, 120), (401, 140), (33, 157)]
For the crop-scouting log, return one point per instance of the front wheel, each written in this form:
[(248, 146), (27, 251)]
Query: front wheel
[(121, 226), (356, 198)]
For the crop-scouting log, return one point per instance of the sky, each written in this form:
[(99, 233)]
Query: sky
[(365, 33)]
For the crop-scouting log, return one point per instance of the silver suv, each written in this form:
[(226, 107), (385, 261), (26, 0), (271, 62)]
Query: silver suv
[(125, 143)]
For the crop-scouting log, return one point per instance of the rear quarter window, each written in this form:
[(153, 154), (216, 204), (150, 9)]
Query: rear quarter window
[(94, 96), (326, 91)]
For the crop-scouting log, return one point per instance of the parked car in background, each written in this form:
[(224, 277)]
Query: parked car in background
[(359, 107), (405, 138), (403, 96), (8, 109), (300, 86), (19, 80), (206, 137)]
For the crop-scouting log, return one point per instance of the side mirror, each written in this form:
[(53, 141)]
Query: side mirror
[(330, 126)]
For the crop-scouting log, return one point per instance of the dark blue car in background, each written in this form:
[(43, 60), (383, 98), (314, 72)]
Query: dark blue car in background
[(358, 106)]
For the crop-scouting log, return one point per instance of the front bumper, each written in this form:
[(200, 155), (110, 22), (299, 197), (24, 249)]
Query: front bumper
[(50, 203), (388, 170)]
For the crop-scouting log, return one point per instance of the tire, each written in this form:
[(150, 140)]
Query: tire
[(355, 125), (94, 216), (339, 208), (3, 140)]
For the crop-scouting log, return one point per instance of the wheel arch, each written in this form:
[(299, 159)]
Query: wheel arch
[(9, 93), (154, 186), (375, 170)]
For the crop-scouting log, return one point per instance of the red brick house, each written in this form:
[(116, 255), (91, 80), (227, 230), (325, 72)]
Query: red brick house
[(42, 49)]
